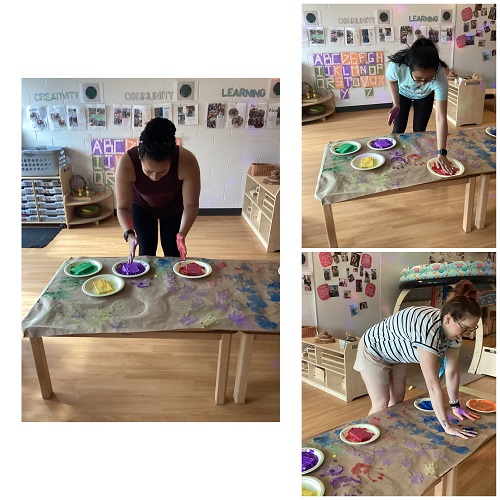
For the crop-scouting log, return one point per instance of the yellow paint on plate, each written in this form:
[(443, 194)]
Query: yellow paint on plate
[(367, 162)]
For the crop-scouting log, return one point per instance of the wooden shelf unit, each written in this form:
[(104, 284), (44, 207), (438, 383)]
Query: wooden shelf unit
[(328, 101), (71, 203), (261, 210), (330, 368), (466, 102)]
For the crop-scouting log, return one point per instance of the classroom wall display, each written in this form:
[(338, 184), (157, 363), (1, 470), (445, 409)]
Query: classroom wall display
[(224, 154), (350, 27)]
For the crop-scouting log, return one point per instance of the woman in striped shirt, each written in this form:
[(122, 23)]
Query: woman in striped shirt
[(423, 335)]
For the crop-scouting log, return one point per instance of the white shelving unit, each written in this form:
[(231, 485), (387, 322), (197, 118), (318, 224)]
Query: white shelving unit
[(330, 368), (261, 210), (42, 201)]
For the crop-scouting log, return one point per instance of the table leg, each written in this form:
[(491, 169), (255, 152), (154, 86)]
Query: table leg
[(222, 368), (482, 200), (42, 368), (330, 227), (243, 367), (469, 204), (448, 484)]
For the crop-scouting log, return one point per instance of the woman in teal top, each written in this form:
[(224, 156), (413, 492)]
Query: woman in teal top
[(416, 76)]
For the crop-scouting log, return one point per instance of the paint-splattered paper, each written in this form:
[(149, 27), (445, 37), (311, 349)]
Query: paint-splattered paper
[(405, 164), (411, 447), (236, 296)]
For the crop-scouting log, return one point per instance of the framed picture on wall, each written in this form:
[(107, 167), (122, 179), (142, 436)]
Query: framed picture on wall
[(307, 262)]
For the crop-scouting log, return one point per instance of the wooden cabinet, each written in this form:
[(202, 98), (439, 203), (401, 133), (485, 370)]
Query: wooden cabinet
[(466, 102), (308, 105), (102, 198), (330, 368), (261, 210)]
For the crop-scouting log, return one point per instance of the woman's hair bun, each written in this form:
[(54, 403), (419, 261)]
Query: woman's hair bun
[(464, 288)]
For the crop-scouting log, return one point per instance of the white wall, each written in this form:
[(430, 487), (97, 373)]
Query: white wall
[(224, 154), (463, 60)]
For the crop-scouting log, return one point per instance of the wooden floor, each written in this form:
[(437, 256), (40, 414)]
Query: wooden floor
[(384, 222), (136, 380), (321, 412)]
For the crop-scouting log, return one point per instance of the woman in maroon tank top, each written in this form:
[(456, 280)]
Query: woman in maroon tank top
[(157, 181)]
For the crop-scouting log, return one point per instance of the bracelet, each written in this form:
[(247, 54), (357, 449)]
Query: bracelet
[(455, 404)]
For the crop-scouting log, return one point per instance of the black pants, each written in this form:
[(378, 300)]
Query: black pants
[(422, 110), (146, 229)]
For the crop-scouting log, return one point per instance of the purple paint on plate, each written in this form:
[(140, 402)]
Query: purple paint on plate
[(381, 143), (131, 269), (309, 460)]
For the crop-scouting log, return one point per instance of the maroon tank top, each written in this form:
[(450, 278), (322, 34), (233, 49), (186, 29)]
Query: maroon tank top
[(160, 198)]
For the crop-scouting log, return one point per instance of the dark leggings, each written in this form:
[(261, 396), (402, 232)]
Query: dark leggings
[(146, 229), (422, 110)]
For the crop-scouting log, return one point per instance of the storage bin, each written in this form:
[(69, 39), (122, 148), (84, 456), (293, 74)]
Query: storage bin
[(49, 218), (42, 161), (261, 169), (308, 331)]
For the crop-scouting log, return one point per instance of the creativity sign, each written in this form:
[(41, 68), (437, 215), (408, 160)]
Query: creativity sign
[(345, 70)]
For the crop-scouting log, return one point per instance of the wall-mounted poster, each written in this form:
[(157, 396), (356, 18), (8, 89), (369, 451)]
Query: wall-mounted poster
[(76, 117), (236, 114), (37, 116), (385, 33), (316, 37), (187, 114), (141, 115), (57, 117), (433, 34), (406, 35), (420, 32), (352, 37), (163, 111), (273, 116), (337, 36), (256, 116), (96, 116), (216, 115), (122, 116)]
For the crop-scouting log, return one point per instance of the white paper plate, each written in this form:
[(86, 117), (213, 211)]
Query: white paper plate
[(356, 162), (119, 264), (314, 485), (208, 268), (417, 402), (455, 163), (318, 454), (470, 404), (339, 143), (370, 143), (492, 131), (368, 427), (116, 282), (71, 265)]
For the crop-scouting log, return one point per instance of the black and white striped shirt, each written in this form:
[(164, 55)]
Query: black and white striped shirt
[(395, 339)]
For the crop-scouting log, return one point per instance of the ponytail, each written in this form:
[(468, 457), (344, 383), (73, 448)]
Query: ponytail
[(422, 54)]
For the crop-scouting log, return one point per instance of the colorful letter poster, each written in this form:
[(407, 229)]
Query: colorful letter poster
[(345, 70)]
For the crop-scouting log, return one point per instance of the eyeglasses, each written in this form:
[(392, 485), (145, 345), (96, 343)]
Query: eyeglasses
[(466, 329), (420, 80)]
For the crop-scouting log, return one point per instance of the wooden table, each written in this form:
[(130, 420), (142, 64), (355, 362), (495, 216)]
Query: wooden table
[(238, 296), (397, 463), (405, 169)]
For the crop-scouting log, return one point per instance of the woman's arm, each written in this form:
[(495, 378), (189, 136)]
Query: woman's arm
[(189, 174), (429, 363), (442, 133), (124, 178)]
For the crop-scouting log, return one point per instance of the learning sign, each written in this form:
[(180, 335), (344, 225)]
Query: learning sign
[(326, 259), (370, 289), (323, 291), (366, 261)]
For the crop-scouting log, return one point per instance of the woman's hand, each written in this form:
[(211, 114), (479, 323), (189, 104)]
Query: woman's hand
[(181, 245), (444, 163), (393, 114), (461, 413), (456, 430), (132, 245)]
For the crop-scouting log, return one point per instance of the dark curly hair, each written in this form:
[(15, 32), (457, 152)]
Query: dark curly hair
[(157, 140), (463, 303), (422, 54)]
